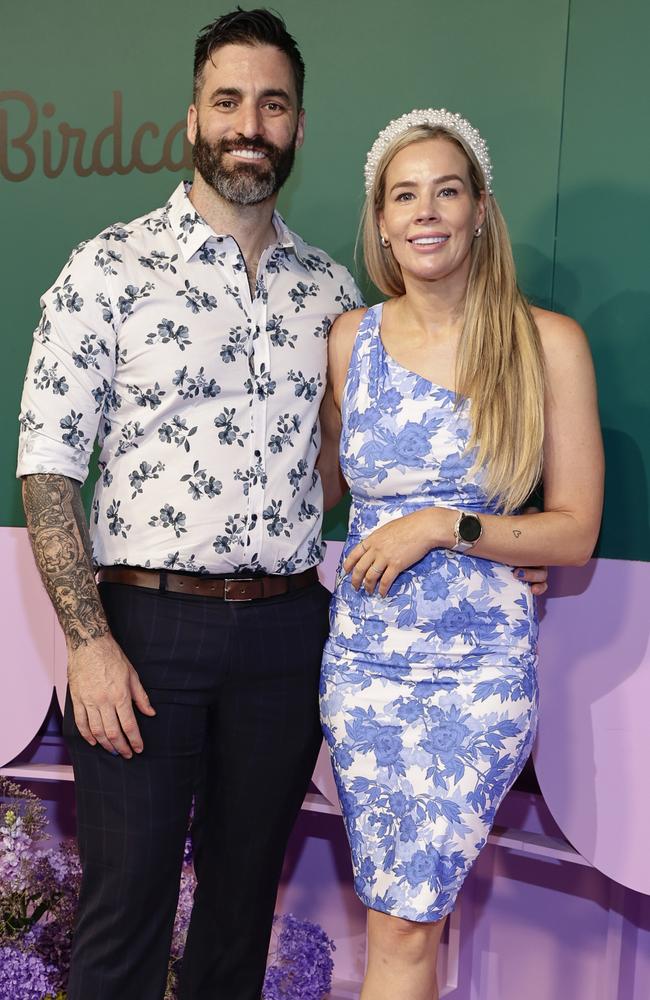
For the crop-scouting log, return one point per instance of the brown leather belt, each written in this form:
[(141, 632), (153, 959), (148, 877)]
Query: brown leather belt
[(253, 588)]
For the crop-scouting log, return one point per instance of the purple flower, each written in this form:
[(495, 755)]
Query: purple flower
[(183, 911), (301, 964), (25, 976)]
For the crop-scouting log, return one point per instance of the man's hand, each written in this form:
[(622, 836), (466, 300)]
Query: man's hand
[(103, 684), (103, 687), (536, 576)]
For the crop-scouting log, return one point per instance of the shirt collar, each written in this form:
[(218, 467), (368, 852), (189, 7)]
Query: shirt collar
[(192, 231)]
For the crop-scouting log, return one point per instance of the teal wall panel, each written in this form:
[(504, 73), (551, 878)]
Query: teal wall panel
[(503, 65), (602, 260)]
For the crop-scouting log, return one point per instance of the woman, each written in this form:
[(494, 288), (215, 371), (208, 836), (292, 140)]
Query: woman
[(452, 400)]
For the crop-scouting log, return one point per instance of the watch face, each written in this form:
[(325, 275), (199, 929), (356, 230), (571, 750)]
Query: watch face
[(469, 528)]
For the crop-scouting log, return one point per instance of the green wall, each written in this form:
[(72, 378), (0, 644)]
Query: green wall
[(558, 89)]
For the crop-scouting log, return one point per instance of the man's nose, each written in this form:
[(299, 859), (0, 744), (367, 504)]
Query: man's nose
[(249, 121)]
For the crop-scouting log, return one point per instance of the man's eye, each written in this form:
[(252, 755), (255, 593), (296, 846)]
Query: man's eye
[(225, 105), (274, 107)]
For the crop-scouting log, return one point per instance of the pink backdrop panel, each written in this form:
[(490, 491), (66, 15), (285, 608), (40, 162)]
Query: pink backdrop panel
[(593, 747), (27, 628)]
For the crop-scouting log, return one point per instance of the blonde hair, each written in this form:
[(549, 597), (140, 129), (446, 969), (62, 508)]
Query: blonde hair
[(499, 364)]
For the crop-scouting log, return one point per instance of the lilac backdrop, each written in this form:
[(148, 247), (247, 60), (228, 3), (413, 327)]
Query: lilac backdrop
[(537, 917)]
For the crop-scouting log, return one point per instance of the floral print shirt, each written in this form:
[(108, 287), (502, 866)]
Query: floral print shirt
[(203, 398)]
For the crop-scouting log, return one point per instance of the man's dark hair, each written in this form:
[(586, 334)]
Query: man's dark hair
[(248, 27)]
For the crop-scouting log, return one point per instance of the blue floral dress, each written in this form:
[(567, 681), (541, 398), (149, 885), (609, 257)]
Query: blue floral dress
[(428, 696)]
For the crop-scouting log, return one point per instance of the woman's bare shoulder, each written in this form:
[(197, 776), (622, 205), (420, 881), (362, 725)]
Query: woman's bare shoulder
[(342, 336), (345, 326), (554, 325), (567, 353), (558, 333)]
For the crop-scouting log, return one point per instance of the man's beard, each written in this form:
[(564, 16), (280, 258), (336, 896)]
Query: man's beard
[(243, 183)]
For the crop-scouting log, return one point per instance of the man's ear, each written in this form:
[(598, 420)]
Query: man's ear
[(192, 123), (300, 132)]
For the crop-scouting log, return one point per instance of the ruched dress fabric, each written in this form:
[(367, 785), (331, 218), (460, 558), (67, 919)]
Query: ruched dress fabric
[(428, 696)]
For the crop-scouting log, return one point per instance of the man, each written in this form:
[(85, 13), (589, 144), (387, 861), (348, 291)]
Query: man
[(193, 342)]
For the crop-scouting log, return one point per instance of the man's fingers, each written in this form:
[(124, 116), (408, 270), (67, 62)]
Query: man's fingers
[(114, 733), (96, 725), (81, 719), (140, 696), (129, 725), (531, 574)]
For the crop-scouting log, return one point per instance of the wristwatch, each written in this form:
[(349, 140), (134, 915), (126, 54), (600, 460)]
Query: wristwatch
[(467, 531)]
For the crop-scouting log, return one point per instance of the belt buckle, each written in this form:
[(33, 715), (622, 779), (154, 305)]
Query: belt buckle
[(233, 582)]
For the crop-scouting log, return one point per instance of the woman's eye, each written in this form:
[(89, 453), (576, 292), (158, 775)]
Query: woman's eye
[(447, 192), (404, 196)]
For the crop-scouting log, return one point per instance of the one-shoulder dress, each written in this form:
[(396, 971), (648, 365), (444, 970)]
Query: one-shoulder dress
[(428, 696)]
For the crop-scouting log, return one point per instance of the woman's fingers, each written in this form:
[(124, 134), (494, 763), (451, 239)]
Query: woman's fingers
[(388, 578), (368, 566), (374, 574), (360, 568), (353, 556)]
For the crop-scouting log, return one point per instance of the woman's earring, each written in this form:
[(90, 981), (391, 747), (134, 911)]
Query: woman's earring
[(384, 242), (478, 230)]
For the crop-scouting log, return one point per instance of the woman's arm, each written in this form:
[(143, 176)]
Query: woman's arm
[(339, 352), (331, 477), (566, 531)]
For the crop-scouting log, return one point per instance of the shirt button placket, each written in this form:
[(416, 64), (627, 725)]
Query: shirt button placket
[(261, 361)]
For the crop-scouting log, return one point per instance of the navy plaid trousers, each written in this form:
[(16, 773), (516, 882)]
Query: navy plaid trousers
[(235, 688)]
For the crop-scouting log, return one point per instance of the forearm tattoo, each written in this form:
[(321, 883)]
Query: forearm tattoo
[(58, 531)]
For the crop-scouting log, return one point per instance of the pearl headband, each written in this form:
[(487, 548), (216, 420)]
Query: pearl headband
[(429, 116)]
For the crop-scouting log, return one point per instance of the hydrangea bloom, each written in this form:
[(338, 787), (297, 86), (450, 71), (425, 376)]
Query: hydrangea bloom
[(25, 976), (301, 967), (38, 899)]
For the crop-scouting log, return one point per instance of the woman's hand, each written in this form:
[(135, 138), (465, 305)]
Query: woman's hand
[(379, 559)]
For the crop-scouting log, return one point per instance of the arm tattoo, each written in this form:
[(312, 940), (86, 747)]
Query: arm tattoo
[(516, 532), (58, 531)]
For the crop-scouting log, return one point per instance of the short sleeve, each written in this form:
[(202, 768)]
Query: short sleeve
[(70, 369), (351, 297)]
